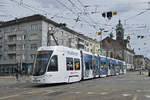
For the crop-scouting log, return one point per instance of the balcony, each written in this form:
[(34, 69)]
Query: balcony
[(11, 49), (81, 41), (80, 46), (11, 39)]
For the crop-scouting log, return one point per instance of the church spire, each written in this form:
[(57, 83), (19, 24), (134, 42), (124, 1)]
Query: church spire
[(119, 31)]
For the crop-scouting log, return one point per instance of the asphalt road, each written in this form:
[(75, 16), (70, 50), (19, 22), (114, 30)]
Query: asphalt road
[(124, 87)]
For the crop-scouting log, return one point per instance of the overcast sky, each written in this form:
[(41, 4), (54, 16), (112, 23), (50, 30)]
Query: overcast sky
[(84, 16)]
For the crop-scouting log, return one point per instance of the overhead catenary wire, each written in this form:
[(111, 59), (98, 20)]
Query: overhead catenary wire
[(73, 12), (82, 13)]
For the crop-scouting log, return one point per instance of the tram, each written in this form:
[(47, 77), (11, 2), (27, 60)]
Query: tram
[(59, 64)]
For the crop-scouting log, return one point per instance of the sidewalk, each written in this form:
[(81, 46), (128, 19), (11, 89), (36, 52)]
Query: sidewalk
[(13, 78), (7, 77)]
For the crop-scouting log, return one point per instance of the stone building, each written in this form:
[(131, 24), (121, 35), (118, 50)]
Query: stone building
[(147, 63), (119, 48), (139, 61), (20, 38)]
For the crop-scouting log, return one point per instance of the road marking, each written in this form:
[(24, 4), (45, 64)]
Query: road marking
[(106, 89), (9, 96), (48, 92), (90, 93), (104, 93), (77, 92), (135, 97), (126, 95), (27, 92), (147, 96), (138, 90), (40, 92), (146, 90)]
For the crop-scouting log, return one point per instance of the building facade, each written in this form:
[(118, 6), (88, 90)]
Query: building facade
[(20, 38), (139, 62), (147, 63)]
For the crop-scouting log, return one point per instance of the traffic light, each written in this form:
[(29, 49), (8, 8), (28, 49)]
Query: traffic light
[(115, 13), (104, 15), (109, 14), (99, 33)]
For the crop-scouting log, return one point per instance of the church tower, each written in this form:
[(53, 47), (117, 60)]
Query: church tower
[(119, 31)]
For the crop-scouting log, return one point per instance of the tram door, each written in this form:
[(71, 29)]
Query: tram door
[(87, 66), (117, 68), (95, 66), (108, 67), (103, 67), (113, 67)]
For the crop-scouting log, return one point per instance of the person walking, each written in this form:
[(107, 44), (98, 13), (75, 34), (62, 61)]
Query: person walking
[(17, 73)]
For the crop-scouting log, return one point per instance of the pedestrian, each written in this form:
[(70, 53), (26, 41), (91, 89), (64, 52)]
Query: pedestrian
[(17, 73), (29, 71)]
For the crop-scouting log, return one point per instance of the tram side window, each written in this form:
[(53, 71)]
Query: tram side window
[(53, 66), (77, 63), (109, 66), (87, 66), (69, 62), (104, 65)]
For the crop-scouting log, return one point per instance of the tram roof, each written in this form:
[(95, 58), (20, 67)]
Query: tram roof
[(56, 48)]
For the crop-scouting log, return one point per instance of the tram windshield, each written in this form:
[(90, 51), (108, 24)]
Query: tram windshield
[(41, 62)]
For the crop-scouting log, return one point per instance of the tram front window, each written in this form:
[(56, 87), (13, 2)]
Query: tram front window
[(41, 62)]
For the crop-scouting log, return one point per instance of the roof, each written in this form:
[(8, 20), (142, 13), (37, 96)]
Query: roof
[(109, 43), (139, 56), (146, 58), (37, 17)]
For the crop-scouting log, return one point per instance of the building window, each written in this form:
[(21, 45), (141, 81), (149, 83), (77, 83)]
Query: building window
[(0, 57), (34, 37), (111, 54), (21, 37), (12, 38), (12, 56), (1, 39), (77, 64), (21, 47), (0, 48), (13, 28), (33, 46), (34, 27), (69, 63), (87, 43), (80, 46), (12, 47), (20, 57), (21, 27)]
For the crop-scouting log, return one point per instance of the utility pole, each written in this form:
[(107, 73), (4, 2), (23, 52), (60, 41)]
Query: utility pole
[(50, 33)]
